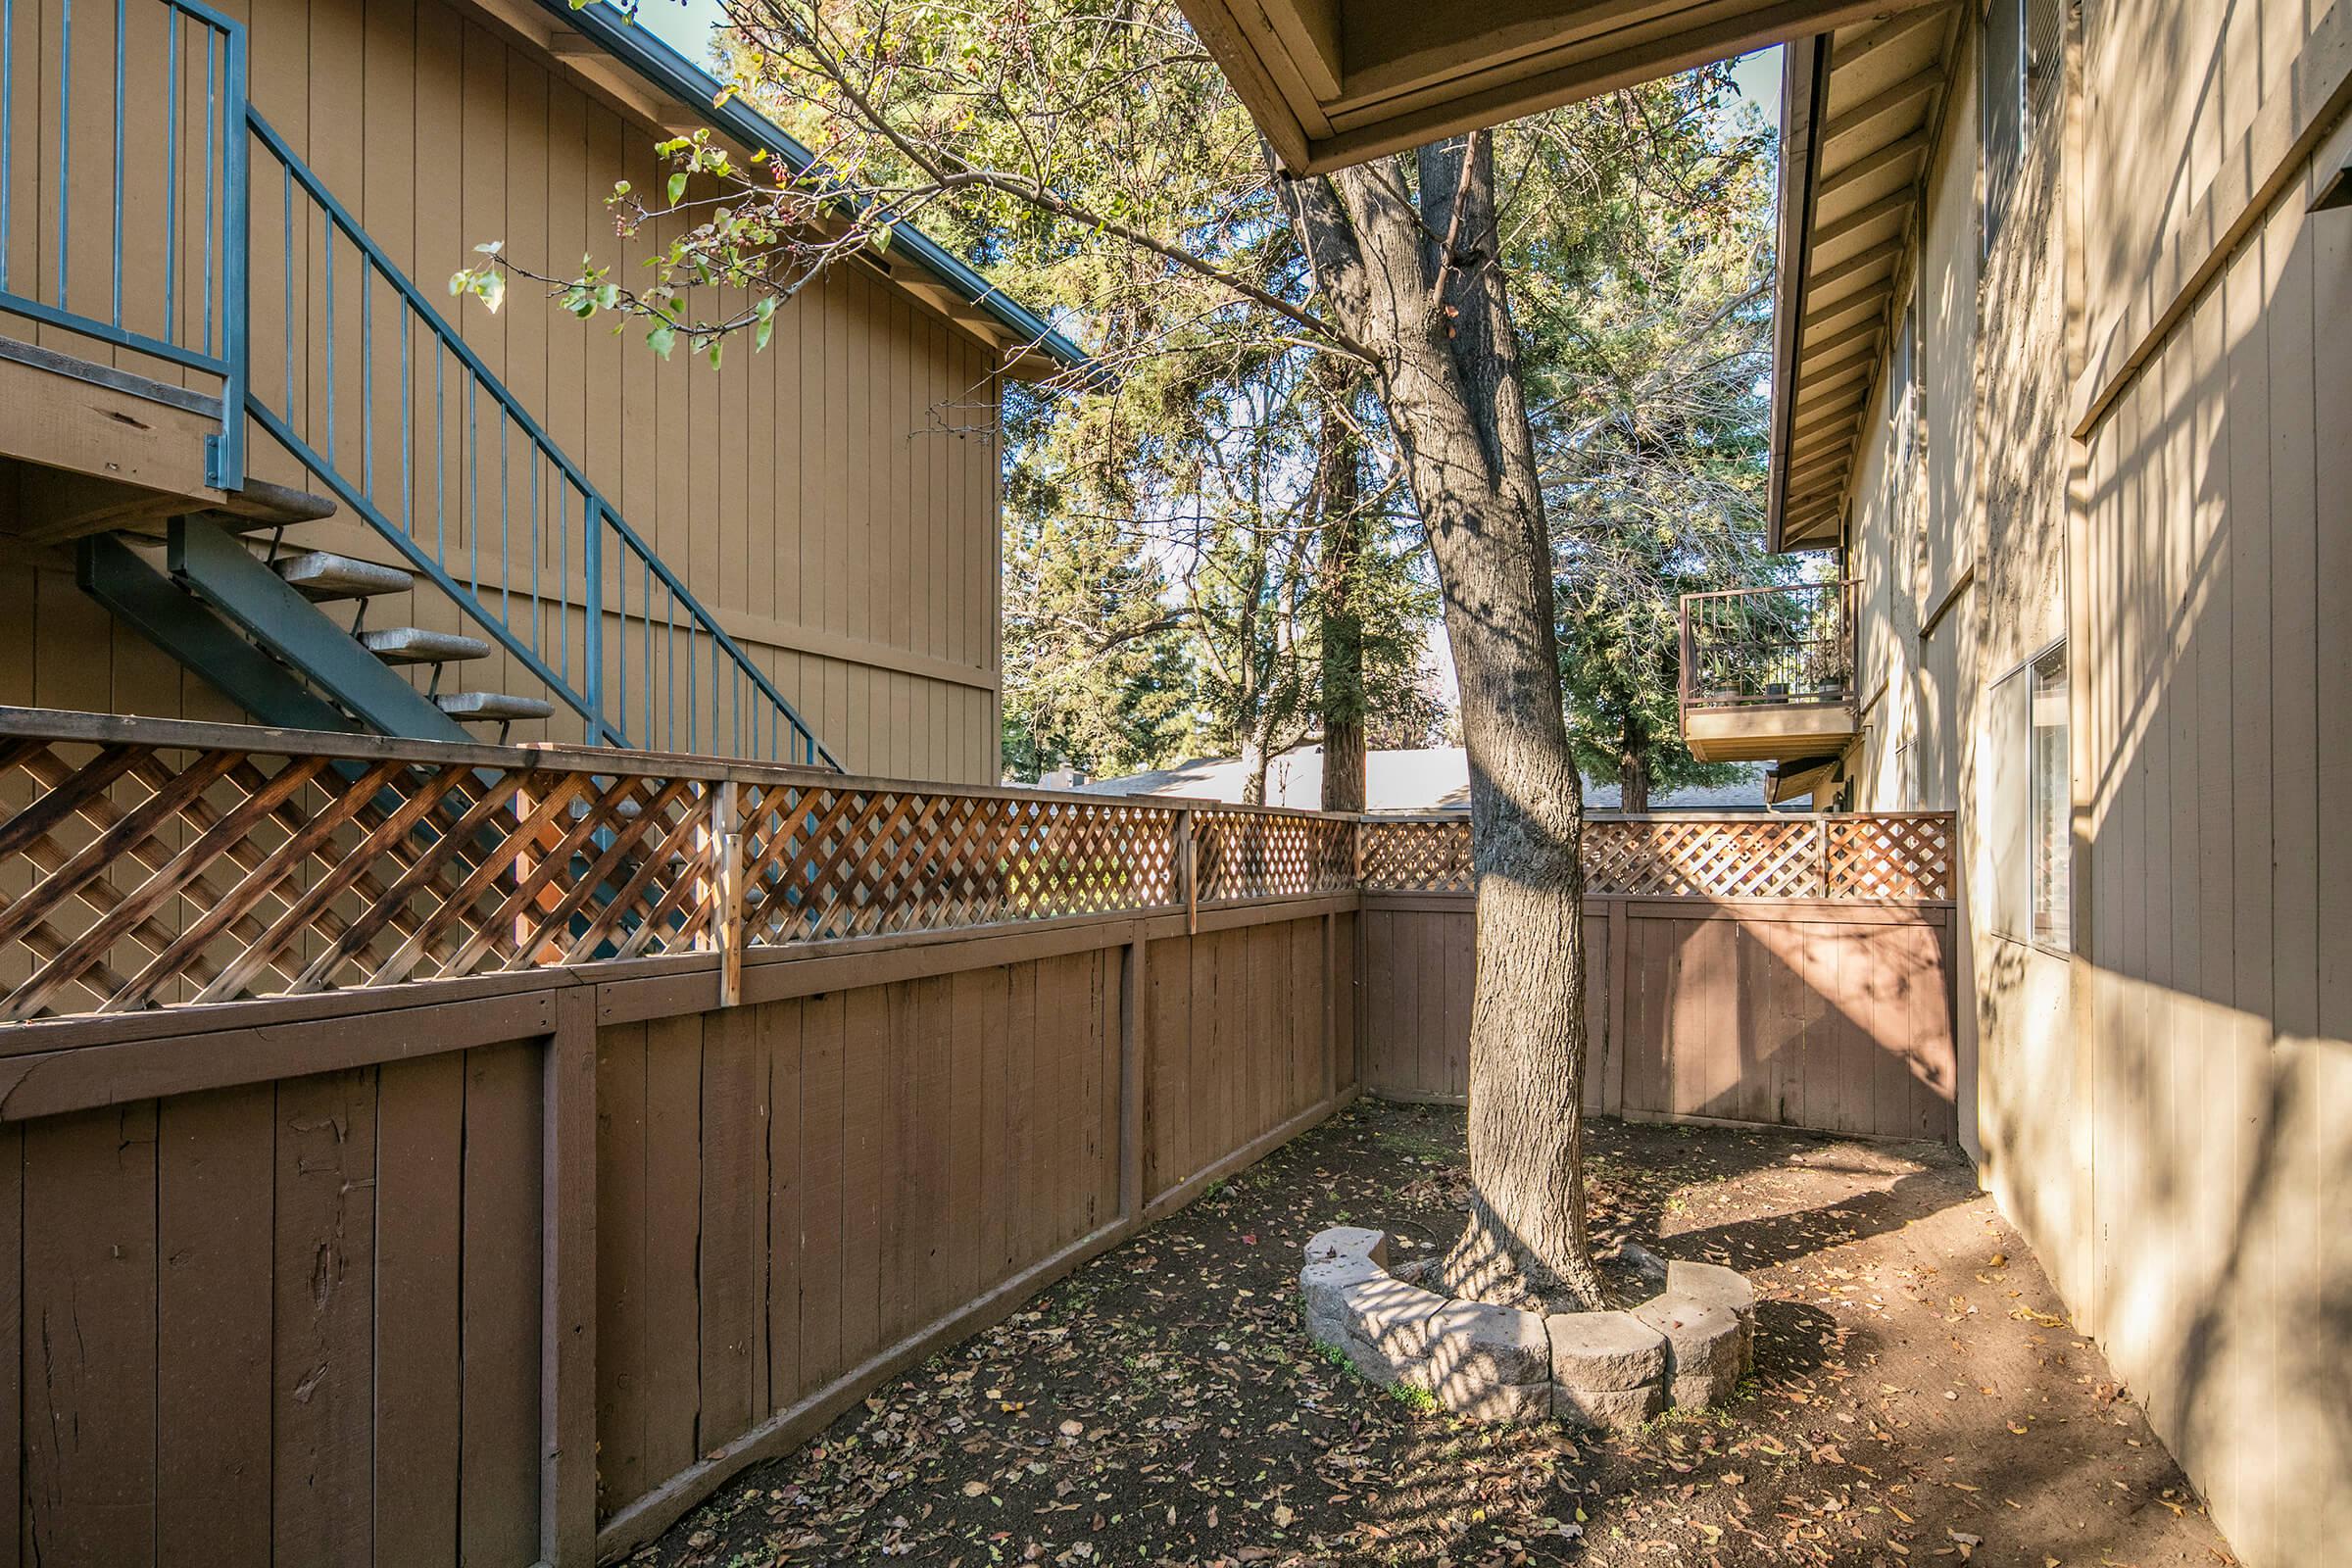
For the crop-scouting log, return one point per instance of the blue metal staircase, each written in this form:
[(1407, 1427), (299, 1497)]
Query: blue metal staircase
[(399, 419)]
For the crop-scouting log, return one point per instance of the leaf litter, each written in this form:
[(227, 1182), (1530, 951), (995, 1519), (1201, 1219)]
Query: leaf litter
[(1919, 1398)]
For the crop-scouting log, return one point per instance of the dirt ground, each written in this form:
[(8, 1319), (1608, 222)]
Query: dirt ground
[(1918, 1396)]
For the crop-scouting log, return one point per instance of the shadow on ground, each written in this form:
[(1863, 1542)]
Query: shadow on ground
[(1917, 1395)]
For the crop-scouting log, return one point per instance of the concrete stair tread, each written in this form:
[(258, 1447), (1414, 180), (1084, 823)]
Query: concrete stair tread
[(413, 645), (323, 574), (500, 706)]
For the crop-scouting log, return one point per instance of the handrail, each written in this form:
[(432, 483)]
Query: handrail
[(731, 704), (1742, 645), (202, 329)]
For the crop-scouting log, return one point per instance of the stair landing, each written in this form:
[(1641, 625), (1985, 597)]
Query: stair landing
[(85, 448)]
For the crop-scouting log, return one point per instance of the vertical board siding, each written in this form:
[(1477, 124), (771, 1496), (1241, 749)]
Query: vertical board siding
[(304, 1319), (862, 1166), (853, 562), (1784, 1017), (294, 1320), (2212, 1010)]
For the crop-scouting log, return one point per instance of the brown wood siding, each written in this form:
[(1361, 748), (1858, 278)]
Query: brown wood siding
[(833, 500), (1837, 1018)]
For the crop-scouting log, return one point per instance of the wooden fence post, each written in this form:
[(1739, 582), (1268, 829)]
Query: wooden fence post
[(1188, 870), (726, 902), (1133, 1019), (567, 1287), (1821, 853)]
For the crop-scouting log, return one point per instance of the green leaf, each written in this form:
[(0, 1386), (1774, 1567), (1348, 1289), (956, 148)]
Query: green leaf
[(677, 187), (760, 334), (716, 344), (662, 339), (493, 289)]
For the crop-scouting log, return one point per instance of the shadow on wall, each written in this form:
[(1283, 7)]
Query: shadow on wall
[(2176, 1138)]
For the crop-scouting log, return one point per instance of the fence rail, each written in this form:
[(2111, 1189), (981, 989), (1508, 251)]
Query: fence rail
[(156, 863)]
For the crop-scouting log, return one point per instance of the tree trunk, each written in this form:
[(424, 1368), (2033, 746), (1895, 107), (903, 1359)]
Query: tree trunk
[(1339, 484), (1633, 781), (1253, 771), (1424, 291)]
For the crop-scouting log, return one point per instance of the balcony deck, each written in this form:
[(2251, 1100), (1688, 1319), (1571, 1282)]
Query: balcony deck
[(1768, 673), (1770, 730)]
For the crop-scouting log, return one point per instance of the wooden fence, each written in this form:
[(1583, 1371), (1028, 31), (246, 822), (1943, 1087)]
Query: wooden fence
[(1785, 971), (613, 1122)]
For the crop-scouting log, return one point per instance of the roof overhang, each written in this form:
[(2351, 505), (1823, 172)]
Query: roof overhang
[(601, 44), (1332, 82), (1860, 110)]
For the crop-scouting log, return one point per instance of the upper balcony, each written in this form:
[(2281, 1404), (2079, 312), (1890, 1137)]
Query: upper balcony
[(1768, 673)]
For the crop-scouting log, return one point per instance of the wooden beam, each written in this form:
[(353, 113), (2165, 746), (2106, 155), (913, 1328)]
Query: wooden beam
[(1846, 305), (1896, 206), (1886, 253), (1618, 57), (86, 419), (1914, 145), (1910, 93)]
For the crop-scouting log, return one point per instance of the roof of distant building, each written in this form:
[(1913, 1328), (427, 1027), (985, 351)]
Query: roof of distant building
[(1435, 778)]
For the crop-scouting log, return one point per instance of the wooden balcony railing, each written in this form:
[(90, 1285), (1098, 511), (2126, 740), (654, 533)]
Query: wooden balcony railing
[(1787, 644), (151, 862)]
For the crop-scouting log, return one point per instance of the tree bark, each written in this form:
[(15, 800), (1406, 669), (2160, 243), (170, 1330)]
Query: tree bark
[(1253, 771), (1633, 781), (1424, 290), (1339, 485)]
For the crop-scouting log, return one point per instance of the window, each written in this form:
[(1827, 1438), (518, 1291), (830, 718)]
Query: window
[(2049, 829), (2026, 805), (2024, 63), (1902, 397)]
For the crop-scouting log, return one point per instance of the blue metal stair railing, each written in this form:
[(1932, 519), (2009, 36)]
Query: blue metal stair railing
[(174, 233), (443, 461)]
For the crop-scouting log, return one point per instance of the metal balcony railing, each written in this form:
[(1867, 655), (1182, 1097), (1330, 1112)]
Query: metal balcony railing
[(1789, 644), (122, 197)]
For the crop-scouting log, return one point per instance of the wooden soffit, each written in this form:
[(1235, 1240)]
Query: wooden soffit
[(1336, 81), (1860, 108)]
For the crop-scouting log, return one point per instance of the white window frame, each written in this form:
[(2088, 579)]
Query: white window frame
[(2018, 805)]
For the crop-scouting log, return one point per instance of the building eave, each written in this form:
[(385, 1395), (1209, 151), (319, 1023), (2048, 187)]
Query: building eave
[(1860, 113)]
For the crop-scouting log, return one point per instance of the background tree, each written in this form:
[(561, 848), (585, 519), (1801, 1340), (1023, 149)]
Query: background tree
[(1648, 340), (1006, 119)]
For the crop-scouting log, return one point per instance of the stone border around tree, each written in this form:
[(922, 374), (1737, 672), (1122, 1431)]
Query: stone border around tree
[(1685, 1347)]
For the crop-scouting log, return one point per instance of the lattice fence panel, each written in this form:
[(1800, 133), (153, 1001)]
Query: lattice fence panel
[(143, 876), (1417, 856), (1874, 858), (1895, 859), (1659, 858), (1252, 855), (841, 862)]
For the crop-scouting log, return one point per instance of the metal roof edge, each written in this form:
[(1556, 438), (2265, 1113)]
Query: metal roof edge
[(688, 83)]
